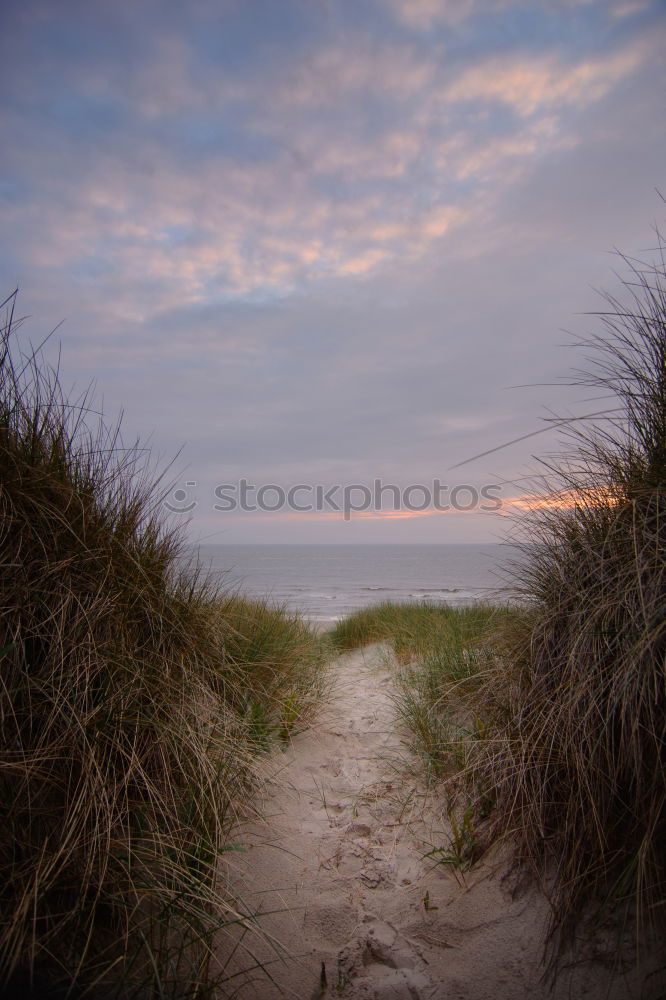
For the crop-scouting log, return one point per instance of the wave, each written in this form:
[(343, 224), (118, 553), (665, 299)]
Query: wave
[(435, 590)]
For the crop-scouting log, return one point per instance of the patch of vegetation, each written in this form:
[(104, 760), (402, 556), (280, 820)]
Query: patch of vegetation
[(413, 629), (133, 699), (279, 662), (579, 767), (463, 848)]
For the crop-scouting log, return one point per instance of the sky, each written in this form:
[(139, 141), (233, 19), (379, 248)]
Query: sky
[(324, 243)]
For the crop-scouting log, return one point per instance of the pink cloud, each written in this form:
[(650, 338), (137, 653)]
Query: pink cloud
[(530, 84)]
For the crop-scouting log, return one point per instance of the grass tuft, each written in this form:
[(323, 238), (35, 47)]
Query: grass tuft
[(579, 768), (413, 629), (131, 697)]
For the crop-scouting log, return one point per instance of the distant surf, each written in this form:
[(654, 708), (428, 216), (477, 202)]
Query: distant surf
[(326, 582)]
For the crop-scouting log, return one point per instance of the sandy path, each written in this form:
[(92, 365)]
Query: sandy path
[(341, 858)]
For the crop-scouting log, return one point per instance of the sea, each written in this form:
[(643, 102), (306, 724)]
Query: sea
[(327, 582)]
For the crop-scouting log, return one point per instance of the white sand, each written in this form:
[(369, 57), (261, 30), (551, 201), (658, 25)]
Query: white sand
[(341, 858)]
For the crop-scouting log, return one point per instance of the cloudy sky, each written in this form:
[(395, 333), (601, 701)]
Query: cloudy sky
[(323, 242)]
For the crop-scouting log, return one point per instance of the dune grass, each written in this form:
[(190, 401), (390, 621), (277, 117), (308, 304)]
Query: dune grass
[(579, 769), (277, 660), (133, 701), (413, 628)]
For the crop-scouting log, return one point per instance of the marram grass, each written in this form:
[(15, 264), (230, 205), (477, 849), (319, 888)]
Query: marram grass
[(579, 769), (413, 628), (129, 699)]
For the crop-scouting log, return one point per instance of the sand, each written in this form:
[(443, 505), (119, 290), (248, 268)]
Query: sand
[(338, 871)]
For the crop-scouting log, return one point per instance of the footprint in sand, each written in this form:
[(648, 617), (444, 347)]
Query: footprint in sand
[(380, 963)]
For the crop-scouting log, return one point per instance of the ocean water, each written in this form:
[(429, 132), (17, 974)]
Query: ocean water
[(326, 582)]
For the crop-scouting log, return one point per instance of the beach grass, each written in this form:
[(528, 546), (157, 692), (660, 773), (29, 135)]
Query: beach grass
[(579, 768), (413, 629), (274, 664), (134, 699)]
